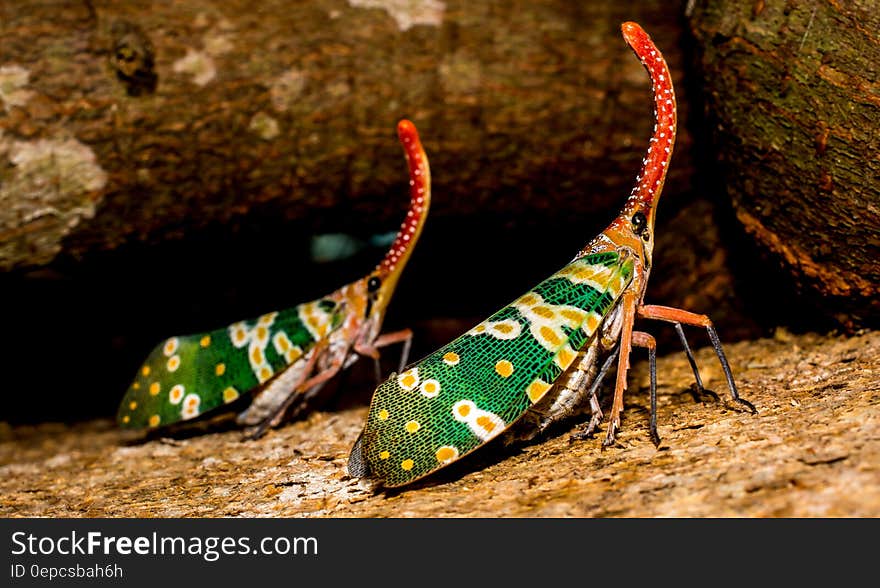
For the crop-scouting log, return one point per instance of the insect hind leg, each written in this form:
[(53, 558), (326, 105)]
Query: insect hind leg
[(698, 391), (639, 339), (642, 339), (298, 400), (270, 407), (679, 317), (725, 366)]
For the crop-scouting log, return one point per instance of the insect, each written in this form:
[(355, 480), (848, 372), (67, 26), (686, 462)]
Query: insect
[(282, 358), (537, 360)]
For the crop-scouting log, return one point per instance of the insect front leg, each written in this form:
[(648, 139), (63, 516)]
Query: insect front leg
[(628, 305), (697, 389), (679, 317)]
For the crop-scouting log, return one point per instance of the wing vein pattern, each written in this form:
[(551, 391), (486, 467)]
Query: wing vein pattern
[(188, 376), (469, 391)]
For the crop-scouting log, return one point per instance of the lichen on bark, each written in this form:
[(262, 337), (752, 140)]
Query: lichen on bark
[(47, 186)]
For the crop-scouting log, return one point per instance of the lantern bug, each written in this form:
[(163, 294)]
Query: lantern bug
[(537, 360), (282, 358)]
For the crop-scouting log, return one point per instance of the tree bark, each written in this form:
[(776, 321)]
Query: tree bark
[(793, 90), (810, 451), (141, 121)]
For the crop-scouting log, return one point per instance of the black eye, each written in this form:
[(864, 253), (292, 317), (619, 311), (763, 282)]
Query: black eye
[(639, 222), (373, 284)]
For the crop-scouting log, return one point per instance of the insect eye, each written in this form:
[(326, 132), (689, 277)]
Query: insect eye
[(639, 222), (373, 284)]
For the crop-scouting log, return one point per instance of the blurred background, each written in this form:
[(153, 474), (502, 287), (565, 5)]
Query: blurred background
[(169, 167)]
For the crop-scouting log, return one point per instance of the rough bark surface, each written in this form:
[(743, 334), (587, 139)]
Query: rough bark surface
[(140, 121), (794, 88), (813, 450)]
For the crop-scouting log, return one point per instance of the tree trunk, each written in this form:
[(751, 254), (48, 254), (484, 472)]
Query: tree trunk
[(794, 90), (140, 121)]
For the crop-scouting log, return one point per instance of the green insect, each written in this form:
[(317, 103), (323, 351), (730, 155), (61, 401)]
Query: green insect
[(536, 361), (281, 358)]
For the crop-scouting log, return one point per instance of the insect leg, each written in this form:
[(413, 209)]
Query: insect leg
[(307, 390), (625, 347), (697, 389), (371, 351), (267, 400), (676, 315), (642, 339), (405, 336), (377, 371), (271, 416), (301, 399), (716, 344), (595, 408)]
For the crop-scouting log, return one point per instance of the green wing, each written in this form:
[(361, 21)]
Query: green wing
[(187, 376), (469, 391)]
